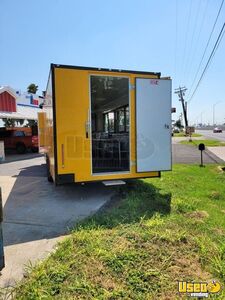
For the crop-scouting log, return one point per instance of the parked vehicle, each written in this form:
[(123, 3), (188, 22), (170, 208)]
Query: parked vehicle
[(217, 130), (176, 130), (18, 139), (104, 125)]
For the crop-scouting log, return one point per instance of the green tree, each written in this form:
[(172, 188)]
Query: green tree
[(32, 88), (19, 122), (178, 124), (31, 123), (9, 122)]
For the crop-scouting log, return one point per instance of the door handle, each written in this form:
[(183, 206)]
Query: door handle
[(167, 126), (87, 129), (87, 124)]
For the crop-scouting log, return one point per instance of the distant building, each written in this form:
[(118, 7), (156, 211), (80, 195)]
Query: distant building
[(7, 100), (17, 105), (27, 98)]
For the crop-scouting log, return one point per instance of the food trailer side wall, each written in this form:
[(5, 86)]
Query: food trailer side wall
[(67, 107)]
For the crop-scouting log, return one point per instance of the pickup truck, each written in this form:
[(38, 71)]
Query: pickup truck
[(19, 141)]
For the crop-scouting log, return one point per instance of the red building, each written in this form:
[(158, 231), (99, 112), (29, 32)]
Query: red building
[(14, 105), (7, 100)]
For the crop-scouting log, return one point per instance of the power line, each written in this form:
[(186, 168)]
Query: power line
[(186, 36), (219, 42), (216, 45), (206, 47), (192, 39), (189, 66), (176, 31)]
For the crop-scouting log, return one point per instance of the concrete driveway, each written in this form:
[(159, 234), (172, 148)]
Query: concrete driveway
[(37, 214)]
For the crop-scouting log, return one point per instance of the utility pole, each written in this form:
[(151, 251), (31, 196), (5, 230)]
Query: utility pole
[(181, 92), (214, 105), (201, 118)]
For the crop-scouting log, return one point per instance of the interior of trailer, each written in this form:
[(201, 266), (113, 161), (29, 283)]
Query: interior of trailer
[(110, 117)]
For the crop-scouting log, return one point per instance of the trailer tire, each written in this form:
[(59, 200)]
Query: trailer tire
[(34, 149), (49, 176), (50, 179), (21, 148)]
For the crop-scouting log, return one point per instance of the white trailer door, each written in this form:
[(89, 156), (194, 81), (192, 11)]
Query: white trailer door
[(153, 124)]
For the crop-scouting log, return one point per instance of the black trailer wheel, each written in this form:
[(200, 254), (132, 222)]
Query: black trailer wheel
[(21, 148), (50, 179), (34, 149), (49, 176)]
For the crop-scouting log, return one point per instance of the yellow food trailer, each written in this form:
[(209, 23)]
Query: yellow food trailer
[(105, 124)]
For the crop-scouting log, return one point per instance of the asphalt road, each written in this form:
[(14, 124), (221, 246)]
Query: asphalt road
[(187, 154), (210, 135)]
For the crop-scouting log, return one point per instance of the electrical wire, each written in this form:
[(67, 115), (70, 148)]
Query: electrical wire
[(189, 66), (186, 35), (206, 47), (176, 33), (216, 45), (219, 42), (192, 39)]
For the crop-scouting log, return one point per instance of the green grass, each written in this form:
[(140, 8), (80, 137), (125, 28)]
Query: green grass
[(208, 143), (182, 134), (157, 231)]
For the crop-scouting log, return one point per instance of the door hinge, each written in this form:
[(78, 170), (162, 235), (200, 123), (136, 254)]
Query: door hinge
[(132, 86)]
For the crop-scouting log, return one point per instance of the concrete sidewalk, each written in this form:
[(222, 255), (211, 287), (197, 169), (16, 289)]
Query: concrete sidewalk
[(218, 151), (37, 214)]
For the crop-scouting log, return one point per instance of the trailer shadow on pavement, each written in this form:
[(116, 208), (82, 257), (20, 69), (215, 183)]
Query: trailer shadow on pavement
[(36, 209), (13, 156)]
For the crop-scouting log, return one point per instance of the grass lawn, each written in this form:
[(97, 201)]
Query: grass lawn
[(182, 134), (160, 231), (208, 143)]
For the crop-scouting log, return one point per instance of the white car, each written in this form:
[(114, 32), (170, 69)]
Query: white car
[(217, 130)]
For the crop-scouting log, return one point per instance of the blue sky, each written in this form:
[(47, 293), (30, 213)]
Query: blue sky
[(165, 36)]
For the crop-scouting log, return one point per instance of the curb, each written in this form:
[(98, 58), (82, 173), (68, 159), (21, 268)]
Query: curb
[(214, 157)]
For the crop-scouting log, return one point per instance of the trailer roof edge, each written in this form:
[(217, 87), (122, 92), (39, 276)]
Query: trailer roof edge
[(104, 69)]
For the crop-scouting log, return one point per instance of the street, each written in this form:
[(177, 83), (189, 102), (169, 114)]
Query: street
[(208, 134)]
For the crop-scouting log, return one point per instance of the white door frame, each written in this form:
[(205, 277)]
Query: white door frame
[(129, 97)]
